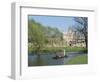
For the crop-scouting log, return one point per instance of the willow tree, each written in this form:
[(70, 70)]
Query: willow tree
[(36, 35)]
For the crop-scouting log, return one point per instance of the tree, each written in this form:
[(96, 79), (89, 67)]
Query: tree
[(35, 34), (40, 36), (53, 35), (82, 27)]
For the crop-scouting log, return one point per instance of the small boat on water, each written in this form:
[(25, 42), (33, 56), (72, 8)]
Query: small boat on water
[(60, 55)]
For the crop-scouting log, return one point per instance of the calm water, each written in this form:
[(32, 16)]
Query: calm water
[(47, 59)]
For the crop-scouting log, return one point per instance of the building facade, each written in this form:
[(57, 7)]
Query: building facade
[(73, 38)]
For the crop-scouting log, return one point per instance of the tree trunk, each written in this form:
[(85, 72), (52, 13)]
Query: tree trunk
[(86, 42)]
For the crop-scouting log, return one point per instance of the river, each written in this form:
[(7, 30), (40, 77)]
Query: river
[(48, 59)]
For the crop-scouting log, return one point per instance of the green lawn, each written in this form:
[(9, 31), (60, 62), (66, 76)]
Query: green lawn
[(79, 60), (76, 49)]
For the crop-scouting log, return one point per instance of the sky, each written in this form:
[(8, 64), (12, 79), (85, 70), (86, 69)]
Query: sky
[(60, 22)]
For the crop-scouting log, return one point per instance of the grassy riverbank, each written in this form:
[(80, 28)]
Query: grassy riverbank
[(79, 60), (57, 49)]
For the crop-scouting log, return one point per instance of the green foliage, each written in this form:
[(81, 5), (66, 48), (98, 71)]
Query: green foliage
[(35, 33), (79, 60), (39, 35)]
